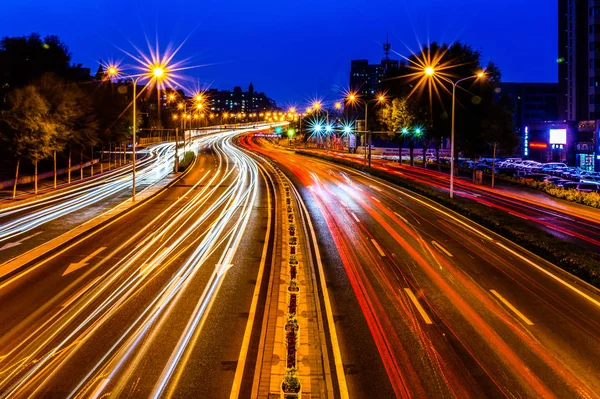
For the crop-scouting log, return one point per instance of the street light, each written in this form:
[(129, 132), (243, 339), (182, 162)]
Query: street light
[(430, 71), (379, 98), (154, 72)]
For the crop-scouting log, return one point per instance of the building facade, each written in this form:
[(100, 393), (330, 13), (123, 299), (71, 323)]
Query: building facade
[(238, 101), (367, 79), (579, 75), (533, 103), (579, 59)]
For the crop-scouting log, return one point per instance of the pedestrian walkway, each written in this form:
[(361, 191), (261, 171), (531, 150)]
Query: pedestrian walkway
[(292, 299)]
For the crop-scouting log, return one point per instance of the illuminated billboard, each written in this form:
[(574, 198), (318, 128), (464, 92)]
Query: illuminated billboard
[(558, 136)]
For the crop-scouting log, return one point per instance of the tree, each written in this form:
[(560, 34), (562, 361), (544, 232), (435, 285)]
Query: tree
[(396, 116), (30, 130), (64, 107), (26, 58), (434, 95)]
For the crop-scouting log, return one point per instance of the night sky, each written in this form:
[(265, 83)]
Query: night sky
[(293, 50)]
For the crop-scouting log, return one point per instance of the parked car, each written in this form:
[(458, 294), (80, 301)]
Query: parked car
[(551, 179), (583, 187), (553, 166), (561, 182)]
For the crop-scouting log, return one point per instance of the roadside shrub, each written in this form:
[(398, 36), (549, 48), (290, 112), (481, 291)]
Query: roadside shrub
[(589, 199), (188, 158)]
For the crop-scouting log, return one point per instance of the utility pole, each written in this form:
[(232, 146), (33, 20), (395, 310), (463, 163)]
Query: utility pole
[(176, 150)]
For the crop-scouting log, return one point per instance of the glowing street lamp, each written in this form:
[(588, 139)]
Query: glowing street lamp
[(379, 99), (155, 72), (430, 71)]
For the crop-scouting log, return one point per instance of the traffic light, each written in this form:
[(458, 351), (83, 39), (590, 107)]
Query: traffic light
[(278, 129), (291, 132)]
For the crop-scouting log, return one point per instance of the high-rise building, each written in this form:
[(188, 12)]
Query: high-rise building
[(579, 75), (367, 78), (239, 101), (579, 59), (533, 103)]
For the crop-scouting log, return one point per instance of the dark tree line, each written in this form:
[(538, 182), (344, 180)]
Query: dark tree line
[(482, 122), (48, 108)]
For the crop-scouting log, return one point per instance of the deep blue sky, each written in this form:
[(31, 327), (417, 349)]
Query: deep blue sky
[(294, 50)]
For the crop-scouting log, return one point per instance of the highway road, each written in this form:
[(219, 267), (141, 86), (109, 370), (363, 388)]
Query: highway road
[(451, 309), (25, 225), (153, 304), (567, 221)]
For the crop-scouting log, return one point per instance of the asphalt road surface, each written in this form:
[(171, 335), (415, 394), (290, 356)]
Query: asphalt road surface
[(155, 304), (452, 309)]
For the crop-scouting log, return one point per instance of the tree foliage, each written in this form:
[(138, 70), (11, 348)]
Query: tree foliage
[(26, 58), (29, 131), (476, 110), (396, 115)]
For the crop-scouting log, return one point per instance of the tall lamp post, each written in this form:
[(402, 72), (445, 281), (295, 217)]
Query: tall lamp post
[(155, 72), (430, 71), (379, 99)]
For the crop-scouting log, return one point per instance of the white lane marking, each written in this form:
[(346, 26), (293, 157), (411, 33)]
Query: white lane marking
[(375, 188), (415, 302), (337, 354), (444, 250), (437, 208), (239, 370), (583, 294), (378, 248), (84, 262), (511, 307), (355, 218), (401, 218), (98, 391), (19, 242), (375, 199)]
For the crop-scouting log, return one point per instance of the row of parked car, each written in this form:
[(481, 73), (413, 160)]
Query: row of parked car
[(556, 173)]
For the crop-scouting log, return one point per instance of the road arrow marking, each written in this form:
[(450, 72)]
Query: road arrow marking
[(148, 267), (84, 262), (418, 306), (17, 243)]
